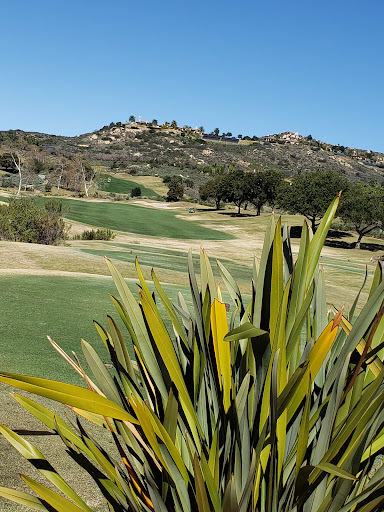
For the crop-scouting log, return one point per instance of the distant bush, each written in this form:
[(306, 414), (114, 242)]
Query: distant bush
[(24, 220), (188, 183), (96, 234), (112, 196), (7, 181), (136, 192)]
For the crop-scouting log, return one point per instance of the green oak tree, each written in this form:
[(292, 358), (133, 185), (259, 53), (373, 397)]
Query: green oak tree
[(362, 206), (264, 187), (310, 194), (236, 188), (176, 189), (213, 189)]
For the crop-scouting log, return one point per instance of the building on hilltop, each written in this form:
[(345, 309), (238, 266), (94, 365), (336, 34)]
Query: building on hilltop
[(283, 138)]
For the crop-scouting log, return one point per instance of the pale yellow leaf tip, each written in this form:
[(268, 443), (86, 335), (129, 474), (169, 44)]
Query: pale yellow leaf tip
[(337, 319)]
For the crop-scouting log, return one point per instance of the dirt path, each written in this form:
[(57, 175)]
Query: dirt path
[(44, 272)]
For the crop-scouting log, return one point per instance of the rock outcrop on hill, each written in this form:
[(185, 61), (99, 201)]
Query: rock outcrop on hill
[(143, 148)]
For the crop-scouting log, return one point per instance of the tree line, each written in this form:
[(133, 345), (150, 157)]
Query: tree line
[(309, 194), (239, 187), (34, 164)]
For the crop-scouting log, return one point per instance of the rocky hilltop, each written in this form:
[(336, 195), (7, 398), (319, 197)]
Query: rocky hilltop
[(142, 147)]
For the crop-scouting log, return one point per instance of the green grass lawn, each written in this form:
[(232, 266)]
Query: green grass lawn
[(61, 307), (119, 186), (137, 219)]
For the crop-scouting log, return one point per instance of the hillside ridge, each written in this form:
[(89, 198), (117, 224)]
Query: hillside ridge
[(141, 147)]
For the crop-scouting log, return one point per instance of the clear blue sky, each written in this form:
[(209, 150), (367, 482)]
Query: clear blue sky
[(250, 67)]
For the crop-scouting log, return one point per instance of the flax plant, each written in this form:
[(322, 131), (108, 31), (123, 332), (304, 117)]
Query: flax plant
[(274, 406)]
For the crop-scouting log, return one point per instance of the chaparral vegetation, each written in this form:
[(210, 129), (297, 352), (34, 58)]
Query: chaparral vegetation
[(25, 220)]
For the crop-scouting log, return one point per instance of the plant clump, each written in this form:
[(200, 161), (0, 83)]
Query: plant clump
[(136, 192), (96, 234), (24, 220), (271, 403)]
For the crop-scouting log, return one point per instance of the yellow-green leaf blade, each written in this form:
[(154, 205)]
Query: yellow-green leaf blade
[(68, 394), (22, 498)]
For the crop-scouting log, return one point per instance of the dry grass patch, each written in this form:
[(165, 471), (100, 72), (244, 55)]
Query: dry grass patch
[(153, 182)]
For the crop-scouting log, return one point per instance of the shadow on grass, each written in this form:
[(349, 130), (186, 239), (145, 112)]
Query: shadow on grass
[(336, 238), (340, 244), (233, 214), (336, 233), (295, 232)]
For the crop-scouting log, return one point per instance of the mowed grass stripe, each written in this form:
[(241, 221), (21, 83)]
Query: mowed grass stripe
[(136, 219), (167, 259)]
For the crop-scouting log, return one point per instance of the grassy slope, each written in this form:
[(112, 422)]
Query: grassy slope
[(153, 182), (137, 219), (119, 186)]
